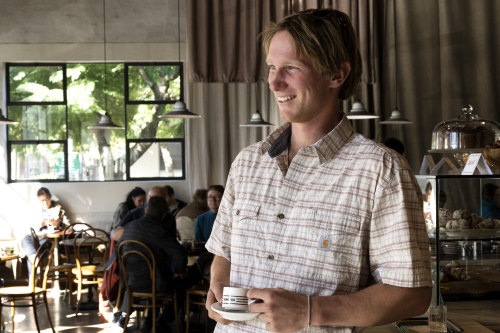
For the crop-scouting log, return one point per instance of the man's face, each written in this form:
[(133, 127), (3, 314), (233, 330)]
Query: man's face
[(213, 200), (44, 200), (301, 91)]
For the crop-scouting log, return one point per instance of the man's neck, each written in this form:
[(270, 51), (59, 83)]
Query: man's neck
[(305, 134)]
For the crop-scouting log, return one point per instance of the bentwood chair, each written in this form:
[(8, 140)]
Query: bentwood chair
[(67, 257), (143, 300), (36, 292), (91, 255)]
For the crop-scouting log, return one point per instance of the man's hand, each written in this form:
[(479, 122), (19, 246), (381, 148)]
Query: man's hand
[(281, 310), (215, 295)]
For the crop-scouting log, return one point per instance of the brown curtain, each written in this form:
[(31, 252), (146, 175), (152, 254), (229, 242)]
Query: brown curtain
[(444, 56)]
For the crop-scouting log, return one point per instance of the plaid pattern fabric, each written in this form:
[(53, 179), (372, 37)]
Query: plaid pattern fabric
[(346, 213)]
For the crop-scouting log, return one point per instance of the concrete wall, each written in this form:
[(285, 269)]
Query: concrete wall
[(61, 30)]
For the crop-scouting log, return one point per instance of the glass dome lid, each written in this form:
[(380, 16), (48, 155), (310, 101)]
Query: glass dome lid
[(466, 132)]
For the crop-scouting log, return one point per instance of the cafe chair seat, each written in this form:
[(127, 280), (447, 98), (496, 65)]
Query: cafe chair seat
[(36, 292), (91, 248)]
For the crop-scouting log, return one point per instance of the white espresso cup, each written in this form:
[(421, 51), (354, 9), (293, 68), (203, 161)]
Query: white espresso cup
[(234, 298)]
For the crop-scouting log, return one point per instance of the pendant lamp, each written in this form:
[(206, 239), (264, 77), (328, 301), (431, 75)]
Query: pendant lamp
[(256, 120), (396, 117), (105, 122), (6, 121), (180, 110), (358, 111)]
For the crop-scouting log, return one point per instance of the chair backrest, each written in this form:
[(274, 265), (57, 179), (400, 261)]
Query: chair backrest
[(129, 248), (70, 232), (185, 227), (41, 266), (34, 237), (91, 248)]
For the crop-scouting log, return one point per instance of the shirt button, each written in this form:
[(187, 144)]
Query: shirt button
[(281, 216), (238, 212), (270, 257)]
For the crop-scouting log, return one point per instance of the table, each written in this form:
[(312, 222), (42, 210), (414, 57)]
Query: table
[(468, 325), (54, 236), (14, 257)]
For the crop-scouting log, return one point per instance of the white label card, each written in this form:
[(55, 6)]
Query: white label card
[(474, 161)]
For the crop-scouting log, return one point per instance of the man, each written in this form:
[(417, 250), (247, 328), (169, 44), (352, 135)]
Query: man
[(136, 213), (153, 231), (323, 225), (205, 222), (52, 217), (174, 205)]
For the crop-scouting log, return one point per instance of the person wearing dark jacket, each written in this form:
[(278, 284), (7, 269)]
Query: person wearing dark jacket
[(171, 259)]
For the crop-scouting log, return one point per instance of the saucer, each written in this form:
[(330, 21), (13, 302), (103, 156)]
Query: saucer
[(234, 315)]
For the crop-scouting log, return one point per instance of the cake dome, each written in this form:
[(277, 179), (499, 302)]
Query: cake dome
[(468, 131)]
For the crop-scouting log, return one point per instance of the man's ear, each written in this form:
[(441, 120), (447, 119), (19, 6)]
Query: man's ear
[(338, 80)]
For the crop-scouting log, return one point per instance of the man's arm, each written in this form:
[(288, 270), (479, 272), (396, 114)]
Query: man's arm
[(219, 278), (376, 305)]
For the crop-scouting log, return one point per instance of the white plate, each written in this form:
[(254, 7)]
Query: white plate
[(474, 233), (233, 314)]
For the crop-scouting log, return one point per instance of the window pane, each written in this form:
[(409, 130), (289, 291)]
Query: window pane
[(95, 155), (154, 83), (100, 155), (37, 161), (156, 159), (144, 122), (36, 84), (38, 122)]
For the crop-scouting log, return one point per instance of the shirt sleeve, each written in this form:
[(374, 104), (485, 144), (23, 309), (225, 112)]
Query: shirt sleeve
[(399, 244), (219, 242)]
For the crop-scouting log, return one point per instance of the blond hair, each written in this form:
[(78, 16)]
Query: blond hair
[(327, 38)]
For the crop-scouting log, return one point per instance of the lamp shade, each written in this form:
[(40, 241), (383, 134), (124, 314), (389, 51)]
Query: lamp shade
[(180, 111), (257, 121), (105, 123), (396, 118), (4, 120), (358, 111)]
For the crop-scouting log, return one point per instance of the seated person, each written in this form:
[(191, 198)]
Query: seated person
[(170, 256), (174, 205), (136, 213), (52, 217), (186, 216), (135, 199), (205, 222), (490, 204), (197, 206)]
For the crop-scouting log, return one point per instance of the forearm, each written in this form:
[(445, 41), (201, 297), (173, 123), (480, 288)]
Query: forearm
[(220, 271), (376, 305)]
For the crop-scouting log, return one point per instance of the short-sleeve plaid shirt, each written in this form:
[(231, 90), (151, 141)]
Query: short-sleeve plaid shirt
[(346, 213)]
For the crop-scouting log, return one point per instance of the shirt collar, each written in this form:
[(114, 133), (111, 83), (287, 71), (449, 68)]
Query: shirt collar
[(326, 147)]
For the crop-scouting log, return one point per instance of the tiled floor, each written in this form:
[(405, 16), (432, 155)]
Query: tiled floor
[(65, 320)]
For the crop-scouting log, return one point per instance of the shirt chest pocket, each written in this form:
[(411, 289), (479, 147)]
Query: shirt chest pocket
[(250, 218)]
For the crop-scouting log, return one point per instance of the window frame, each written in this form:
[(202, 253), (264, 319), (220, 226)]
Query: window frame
[(64, 142)]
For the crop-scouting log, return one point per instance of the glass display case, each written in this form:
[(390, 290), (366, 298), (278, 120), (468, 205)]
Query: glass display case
[(462, 215)]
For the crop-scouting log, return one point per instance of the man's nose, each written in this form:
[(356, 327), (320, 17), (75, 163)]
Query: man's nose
[(276, 81)]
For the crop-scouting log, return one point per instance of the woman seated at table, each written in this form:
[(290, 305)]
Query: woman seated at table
[(52, 217), (135, 199)]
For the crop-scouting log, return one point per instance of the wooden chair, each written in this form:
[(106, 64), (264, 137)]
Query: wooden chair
[(35, 239), (141, 301), (91, 254), (67, 256), (36, 292), (196, 295)]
